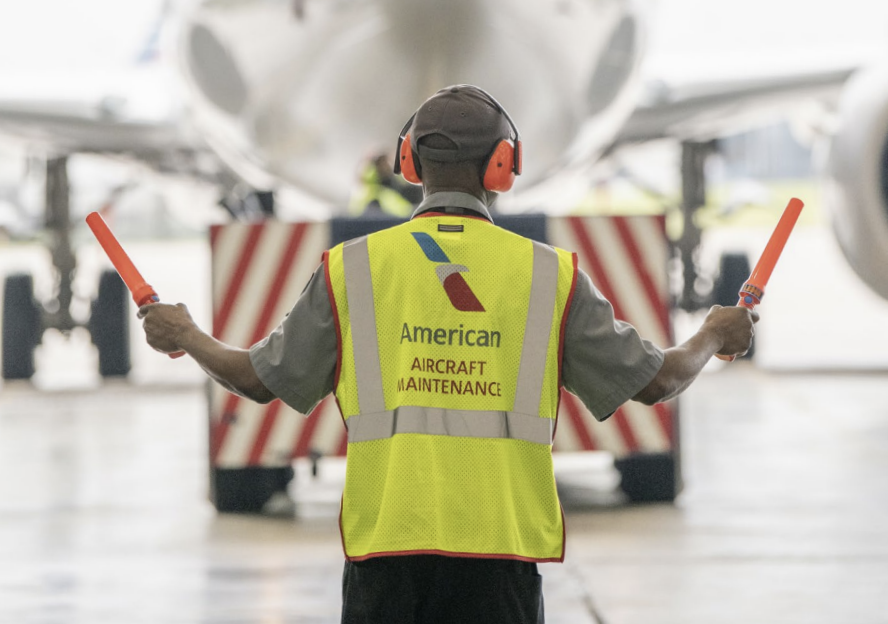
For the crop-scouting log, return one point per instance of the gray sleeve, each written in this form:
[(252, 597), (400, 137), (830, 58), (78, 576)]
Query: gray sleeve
[(297, 361), (605, 362)]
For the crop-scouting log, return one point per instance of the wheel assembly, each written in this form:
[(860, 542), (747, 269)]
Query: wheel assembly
[(22, 326), (109, 326)]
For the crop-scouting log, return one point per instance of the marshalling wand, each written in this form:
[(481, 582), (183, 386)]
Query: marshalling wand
[(142, 292), (754, 289)]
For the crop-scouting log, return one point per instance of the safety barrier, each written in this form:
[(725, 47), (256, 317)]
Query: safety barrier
[(626, 259), (260, 269)]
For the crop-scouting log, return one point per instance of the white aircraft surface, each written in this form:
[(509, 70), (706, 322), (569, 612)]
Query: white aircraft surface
[(289, 96)]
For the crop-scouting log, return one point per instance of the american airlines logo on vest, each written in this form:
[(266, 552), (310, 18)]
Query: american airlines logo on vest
[(458, 291)]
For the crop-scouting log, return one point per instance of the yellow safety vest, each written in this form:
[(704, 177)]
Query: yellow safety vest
[(390, 201), (450, 332)]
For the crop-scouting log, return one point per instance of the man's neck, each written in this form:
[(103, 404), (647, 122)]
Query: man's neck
[(456, 202), (486, 197)]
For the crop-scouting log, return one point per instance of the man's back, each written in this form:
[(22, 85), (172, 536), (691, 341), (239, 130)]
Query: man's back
[(451, 332)]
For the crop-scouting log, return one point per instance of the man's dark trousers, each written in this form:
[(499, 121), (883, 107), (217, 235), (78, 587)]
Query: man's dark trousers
[(432, 589)]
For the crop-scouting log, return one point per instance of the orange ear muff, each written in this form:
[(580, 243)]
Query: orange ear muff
[(407, 162), (499, 174)]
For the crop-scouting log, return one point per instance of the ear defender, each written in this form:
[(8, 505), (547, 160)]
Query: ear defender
[(502, 166), (407, 164), (499, 170)]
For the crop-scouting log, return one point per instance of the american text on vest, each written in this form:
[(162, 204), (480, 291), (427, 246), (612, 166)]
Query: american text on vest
[(451, 336)]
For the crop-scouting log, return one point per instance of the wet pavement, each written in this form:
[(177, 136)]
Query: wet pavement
[(784, 517), (104, 516)]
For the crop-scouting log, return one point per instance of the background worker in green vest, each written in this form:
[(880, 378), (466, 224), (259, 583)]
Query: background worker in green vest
[(446, 340), (381, 192)]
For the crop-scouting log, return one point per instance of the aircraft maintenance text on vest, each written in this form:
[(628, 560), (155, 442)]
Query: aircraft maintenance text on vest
[(448, 383)]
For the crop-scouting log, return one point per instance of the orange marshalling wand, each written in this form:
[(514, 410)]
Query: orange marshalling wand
[(142, 292), (754, 289)]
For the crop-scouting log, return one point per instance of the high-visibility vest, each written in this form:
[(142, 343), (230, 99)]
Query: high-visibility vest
[(390, 201), (450, 333)]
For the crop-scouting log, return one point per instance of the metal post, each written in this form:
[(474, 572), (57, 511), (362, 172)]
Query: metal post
[(58, 222), (693, 197)]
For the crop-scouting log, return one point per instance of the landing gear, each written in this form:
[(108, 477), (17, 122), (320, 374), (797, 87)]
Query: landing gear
[(733, 271), (693, 197), (109, 326), (22, 326), (25, 320)]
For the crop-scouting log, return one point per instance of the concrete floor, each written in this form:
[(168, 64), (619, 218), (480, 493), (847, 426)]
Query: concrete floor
[(784, 518)]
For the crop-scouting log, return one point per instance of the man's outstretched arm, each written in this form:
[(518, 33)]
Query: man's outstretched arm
[(726, 331), (170, 328)]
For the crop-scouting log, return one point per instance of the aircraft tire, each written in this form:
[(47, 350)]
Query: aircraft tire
[(22, 326), (109, 326), (732, 273)]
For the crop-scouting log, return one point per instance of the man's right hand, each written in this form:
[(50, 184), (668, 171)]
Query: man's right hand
[(170, 328), (734, 327), (166, 326), (726, 331)]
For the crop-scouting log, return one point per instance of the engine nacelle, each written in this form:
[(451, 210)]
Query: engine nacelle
[(857, 177), (297, 98)]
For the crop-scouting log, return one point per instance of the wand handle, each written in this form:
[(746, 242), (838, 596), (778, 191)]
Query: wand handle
[(142, 292)]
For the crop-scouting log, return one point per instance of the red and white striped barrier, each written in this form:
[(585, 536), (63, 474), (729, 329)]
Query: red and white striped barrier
[(260, 269), (626, 259)]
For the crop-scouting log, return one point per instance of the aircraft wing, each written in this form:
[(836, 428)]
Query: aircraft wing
[(85, 128), (104, 127), (702, 111)]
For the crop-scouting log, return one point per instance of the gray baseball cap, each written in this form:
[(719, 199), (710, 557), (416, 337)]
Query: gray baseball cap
[(466, 115)]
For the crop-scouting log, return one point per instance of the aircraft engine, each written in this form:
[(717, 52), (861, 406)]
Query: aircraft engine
[(857, 177), (300, 94)]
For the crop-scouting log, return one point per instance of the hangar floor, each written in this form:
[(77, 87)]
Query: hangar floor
[(103, 517)]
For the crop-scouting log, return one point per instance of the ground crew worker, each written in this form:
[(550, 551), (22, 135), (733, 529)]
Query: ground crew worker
[(446, 340), (381, 192)]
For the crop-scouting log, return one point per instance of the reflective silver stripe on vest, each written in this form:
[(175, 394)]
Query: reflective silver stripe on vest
[(543, 293), (362, 317), (459, 423)]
